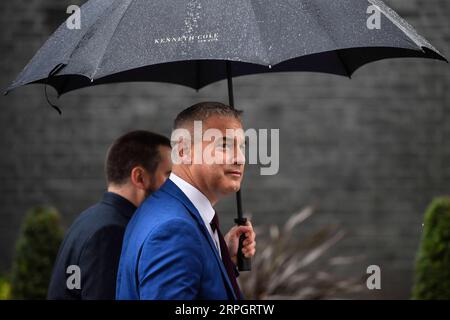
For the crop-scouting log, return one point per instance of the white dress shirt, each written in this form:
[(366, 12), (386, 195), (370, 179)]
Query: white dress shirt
[(201, 203)]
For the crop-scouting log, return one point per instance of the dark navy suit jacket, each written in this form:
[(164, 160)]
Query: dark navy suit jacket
[(93, 243), (168, 254)]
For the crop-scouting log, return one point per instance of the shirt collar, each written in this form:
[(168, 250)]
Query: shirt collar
[(198, 199), (125, 206)]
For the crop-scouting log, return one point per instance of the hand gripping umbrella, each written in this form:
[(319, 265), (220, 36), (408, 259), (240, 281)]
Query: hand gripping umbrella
[(198, 42)]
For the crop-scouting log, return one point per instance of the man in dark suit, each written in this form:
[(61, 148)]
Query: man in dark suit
[(173, 247), (137, 164)]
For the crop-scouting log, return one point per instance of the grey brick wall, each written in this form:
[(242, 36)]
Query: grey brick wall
[(370, 152)]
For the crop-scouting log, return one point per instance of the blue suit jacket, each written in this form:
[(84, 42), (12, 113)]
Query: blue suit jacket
[(168, 254)]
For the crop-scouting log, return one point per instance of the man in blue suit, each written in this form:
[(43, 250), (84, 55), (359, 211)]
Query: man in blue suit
[(173, 247)]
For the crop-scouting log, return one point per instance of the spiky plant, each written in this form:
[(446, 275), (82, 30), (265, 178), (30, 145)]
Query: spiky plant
[(283, 266)]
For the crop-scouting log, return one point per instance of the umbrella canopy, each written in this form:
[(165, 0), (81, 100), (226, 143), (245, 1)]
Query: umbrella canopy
[(197, 42), (189, 42)]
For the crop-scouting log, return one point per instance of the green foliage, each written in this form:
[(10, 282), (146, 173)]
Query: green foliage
[(432, 277), (5, 288), (36, 250)]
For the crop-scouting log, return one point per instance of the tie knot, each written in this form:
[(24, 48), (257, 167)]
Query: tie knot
[(215, 222)]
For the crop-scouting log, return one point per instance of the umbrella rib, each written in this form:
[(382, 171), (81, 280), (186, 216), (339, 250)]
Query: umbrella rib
[(44, 47), (63, 86), (336, 51), (263, 46), (347, 70), (403, 25), (77, 45), (108, 42)]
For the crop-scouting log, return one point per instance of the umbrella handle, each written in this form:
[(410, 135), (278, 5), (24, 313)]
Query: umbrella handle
[(244, 263)]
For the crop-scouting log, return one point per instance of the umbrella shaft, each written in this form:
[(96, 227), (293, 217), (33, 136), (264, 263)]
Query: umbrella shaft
[(231, 103), (230, 85)]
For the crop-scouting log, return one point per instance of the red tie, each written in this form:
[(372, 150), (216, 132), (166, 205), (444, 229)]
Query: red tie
[(226, 259)]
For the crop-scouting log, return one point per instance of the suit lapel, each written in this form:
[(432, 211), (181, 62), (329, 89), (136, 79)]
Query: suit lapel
[(172, 189)]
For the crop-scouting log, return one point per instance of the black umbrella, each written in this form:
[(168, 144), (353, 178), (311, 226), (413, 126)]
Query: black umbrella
[(197, 42)]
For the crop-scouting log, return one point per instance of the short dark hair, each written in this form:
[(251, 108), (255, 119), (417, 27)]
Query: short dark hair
[(203, 110), (136, 148)]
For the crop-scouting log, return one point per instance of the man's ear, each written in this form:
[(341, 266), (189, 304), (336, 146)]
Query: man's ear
[(181, 153), (139, 177), (181, 139)]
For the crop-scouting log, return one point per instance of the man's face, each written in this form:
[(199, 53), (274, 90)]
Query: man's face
[(222, 168), (162, 171)]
